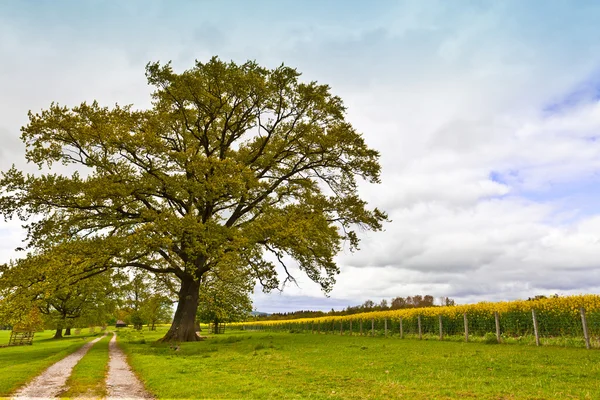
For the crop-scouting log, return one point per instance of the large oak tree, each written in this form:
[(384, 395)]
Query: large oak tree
[(233, 162)]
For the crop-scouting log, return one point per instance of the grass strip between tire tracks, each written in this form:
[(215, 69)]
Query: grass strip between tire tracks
[(88, 378)]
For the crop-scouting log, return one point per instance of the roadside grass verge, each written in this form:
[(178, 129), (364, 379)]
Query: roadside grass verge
[(259, 365), (20, 364), (88, 378)]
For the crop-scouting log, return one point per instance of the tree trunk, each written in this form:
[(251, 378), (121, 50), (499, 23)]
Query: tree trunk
[(197, 326), (67, 331), (58, 334), (183, 328)]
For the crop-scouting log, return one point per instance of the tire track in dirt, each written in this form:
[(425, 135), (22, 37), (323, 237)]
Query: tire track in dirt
[(121, 382), (50, 383)]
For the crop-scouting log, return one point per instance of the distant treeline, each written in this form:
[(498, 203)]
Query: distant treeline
[(396, 303)]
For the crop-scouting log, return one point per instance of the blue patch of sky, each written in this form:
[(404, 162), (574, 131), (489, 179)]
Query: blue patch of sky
[(504, 178), (587, 91), (496, 177), (580, 195), (178, 12), (586, 188)]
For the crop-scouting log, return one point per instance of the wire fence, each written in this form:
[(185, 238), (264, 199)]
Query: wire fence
[(558, 321)]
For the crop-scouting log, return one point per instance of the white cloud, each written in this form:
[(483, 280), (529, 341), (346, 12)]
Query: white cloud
[(11, 237), (454, 100)]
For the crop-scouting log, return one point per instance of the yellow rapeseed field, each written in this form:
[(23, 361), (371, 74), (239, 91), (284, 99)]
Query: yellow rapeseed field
[(556, 316)]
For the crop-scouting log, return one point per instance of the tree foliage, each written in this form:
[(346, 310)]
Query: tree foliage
[(62, 304), (225, 297), (231, 163), (145, 301)]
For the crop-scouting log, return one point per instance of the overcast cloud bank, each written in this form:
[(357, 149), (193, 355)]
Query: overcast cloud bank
[(487, 118)]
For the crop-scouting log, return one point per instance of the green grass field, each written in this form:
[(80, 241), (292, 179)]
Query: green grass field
[(19, 364), (259, 365), (304, 366)]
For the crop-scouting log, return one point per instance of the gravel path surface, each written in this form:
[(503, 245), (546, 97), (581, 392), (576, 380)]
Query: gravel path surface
[(121, 382), (53, 380)]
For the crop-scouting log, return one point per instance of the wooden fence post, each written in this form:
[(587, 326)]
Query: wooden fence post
[(385, 325), (419, 323), (361, 330), (341, 327), (350, 327), (319, 327), (535, 327), (466, 327), (401, 331), (441, 328), (586, 333), (372, 326), (497, 318)]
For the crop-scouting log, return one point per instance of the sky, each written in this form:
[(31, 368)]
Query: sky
[(486, 115)]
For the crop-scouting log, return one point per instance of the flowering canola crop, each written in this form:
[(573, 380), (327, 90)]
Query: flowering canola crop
[(557, 316)]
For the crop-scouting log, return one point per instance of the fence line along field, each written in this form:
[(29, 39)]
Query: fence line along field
[(571, 320)]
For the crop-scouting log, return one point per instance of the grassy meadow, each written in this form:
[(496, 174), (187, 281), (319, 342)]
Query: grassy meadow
[(263, 365), (259, 365), (19, 364)]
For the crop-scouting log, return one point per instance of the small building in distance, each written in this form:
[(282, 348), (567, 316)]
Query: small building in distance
[(120, 324)]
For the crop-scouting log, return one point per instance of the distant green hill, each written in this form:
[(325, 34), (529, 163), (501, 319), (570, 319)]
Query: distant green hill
[(259, 314)]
